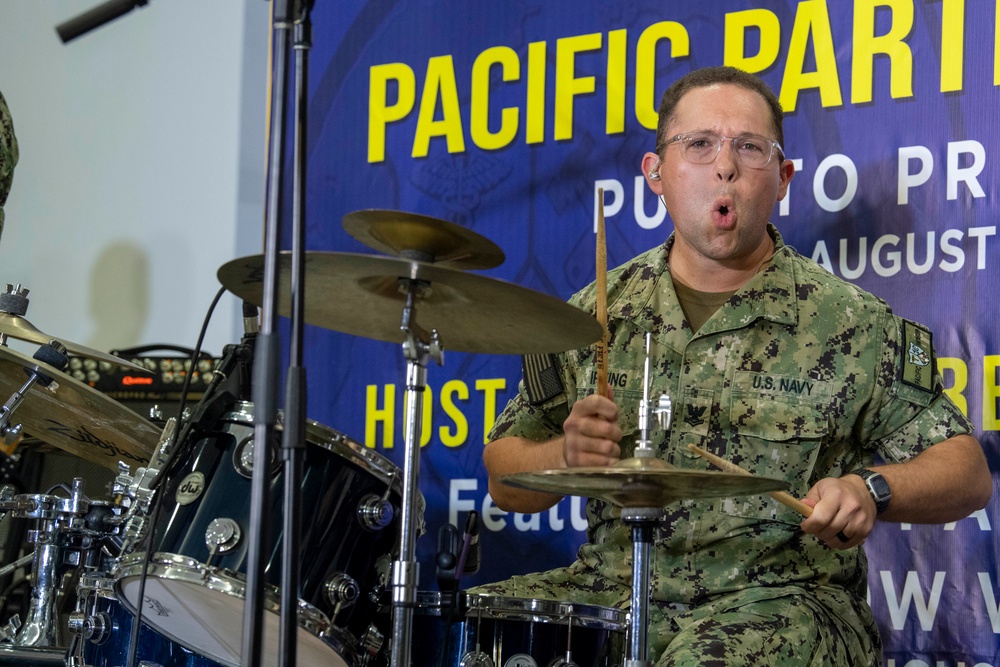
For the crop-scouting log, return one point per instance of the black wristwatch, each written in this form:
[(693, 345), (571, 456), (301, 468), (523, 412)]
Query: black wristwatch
[(877, 487)]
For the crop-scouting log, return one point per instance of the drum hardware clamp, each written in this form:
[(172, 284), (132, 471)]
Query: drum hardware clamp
[(53, 354)]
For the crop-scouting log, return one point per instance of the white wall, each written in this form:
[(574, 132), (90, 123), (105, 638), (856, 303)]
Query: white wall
[(141, 168)]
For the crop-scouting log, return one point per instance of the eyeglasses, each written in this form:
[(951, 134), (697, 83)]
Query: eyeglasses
[(703, 147)]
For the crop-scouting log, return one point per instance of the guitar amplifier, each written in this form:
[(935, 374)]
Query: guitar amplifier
[(154, 396)]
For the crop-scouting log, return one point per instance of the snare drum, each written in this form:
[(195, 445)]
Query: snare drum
[(102, 630), (350, 497), (473, 630)]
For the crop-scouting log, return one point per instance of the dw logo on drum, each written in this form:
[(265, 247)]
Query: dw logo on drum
[(190, 489)]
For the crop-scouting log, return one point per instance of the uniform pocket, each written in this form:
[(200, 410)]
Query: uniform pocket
[(778, 424)]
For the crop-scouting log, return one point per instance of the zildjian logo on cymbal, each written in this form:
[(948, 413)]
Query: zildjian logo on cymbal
[(86, 437)]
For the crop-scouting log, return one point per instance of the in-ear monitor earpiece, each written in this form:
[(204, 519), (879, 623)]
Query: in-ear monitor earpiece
[(654, 173)]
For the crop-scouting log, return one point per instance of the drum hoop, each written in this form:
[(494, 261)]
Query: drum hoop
[(332, 440), (370, 460), (29, 656), (540, 611)]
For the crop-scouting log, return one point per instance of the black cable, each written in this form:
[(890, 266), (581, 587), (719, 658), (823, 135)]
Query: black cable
[(154, 514)]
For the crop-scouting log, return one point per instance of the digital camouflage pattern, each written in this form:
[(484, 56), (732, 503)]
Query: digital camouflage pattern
[(8, 155), (799, 376)]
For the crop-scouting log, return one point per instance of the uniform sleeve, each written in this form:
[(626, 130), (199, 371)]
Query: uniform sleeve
[(8, 154), (524, 420), (909, 411), (536, 414)]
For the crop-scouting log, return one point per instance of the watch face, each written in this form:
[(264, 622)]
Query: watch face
[(879, 487)]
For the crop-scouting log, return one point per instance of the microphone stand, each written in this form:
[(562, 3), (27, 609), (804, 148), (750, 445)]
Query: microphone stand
[(293, 442), (265, 369)]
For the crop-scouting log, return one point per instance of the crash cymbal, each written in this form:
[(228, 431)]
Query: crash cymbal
[(74, 417), (17, 327), (360, 295), (426, 239), (627, 486)]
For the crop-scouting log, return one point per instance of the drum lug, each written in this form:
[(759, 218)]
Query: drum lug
[(75, 622), (243, 457), (476, 659), (562, 662), (375, 513), (96, 628), (222, 535), (341, 590)]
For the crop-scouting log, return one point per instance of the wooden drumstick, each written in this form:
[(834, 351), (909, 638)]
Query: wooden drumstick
[(785, 499), (602, 299)]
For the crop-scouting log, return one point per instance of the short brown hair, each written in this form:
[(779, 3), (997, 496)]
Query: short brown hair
[(709, 76)]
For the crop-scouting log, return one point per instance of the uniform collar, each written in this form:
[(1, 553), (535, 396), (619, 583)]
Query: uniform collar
[(649, 300)]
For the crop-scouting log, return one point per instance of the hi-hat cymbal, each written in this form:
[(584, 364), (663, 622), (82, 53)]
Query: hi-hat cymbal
[(420, 237), (17, 327), (360, 295), (649, 487), (74, 417)]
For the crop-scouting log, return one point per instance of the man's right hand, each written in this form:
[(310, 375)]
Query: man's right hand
[(592, 433)]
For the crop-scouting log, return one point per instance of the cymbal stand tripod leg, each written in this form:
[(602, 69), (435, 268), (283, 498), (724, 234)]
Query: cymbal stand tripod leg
[(406, 570)]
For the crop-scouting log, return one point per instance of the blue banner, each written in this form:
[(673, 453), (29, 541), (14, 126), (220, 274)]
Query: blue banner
[(507, 117)]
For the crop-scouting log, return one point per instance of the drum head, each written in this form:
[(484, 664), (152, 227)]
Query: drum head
[(178, 609)]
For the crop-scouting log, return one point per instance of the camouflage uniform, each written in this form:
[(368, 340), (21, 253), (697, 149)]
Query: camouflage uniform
[(8, 155), (799, 376)]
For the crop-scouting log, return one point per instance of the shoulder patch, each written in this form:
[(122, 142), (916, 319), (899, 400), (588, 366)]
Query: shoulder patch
[(541, 377), (918, 356)]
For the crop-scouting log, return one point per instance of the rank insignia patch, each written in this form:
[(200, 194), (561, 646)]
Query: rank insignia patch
[(918, 351)]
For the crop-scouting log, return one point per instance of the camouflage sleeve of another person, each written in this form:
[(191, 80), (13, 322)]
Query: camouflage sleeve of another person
[(8, 155), (909, 411)]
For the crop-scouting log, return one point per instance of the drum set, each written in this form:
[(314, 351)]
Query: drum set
[(155, 569)]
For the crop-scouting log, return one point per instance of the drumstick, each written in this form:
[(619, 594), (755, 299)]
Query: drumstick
[(785, 499), (602, 299)]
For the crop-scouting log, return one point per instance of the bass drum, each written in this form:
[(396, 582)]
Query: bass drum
[(102, 629), (350, 497), (464, 630)]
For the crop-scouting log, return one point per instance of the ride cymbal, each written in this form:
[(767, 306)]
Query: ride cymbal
[(17, 327), (423, 238), (74, 417), (364, 295), (642, 487)]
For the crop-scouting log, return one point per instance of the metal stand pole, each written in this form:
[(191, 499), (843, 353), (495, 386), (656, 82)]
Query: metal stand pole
[(294, 436), (265, 371), (641, 520), (406, 570)]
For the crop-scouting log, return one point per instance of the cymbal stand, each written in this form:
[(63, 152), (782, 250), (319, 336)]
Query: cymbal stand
[(13, 301), (418, 349), (53, 354), (642, 520)]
